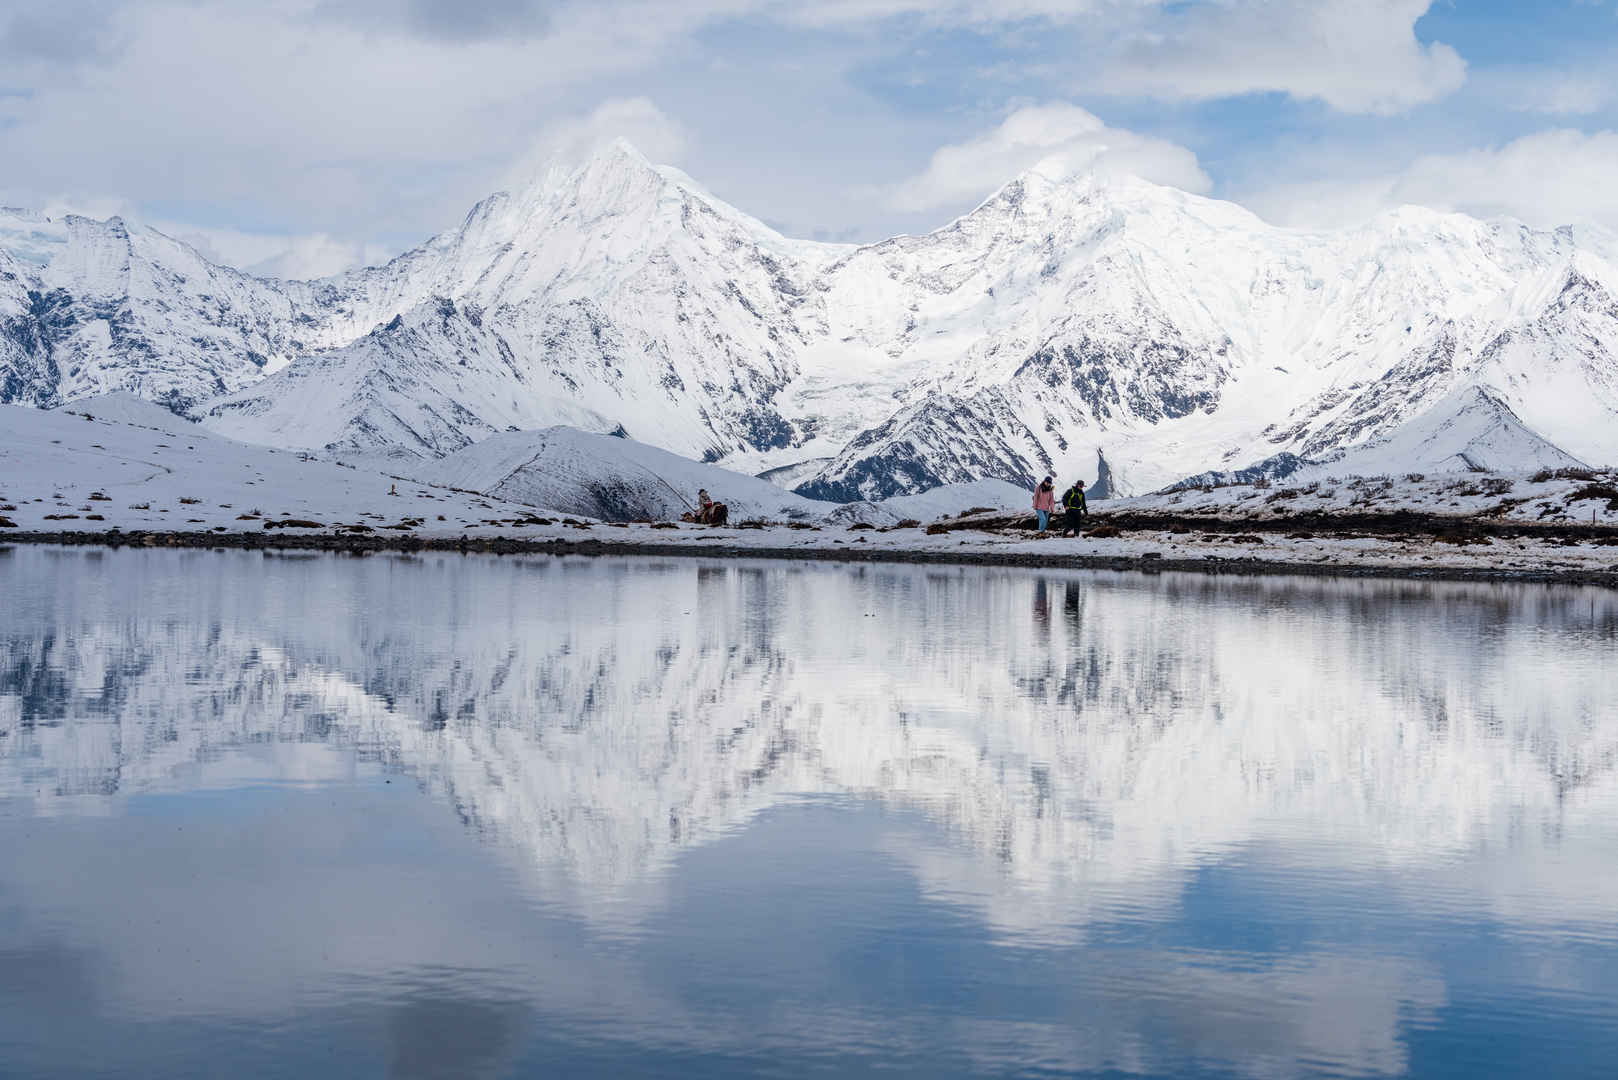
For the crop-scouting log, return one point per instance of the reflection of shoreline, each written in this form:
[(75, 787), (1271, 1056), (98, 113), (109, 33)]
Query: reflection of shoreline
[(1084, 755)]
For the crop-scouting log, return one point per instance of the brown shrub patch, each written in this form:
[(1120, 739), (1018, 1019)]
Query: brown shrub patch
[(1596, 491)]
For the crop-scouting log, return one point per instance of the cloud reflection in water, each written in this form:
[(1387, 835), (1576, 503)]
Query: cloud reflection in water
[(1063, 761)]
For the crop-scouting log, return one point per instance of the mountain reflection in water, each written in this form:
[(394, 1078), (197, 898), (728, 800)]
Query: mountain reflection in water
[(799, 816)]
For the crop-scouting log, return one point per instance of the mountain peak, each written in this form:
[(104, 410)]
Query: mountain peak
[(1058, 188), (620, 149), (606, 164)]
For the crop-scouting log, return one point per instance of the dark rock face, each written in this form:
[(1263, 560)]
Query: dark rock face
[(619, 500), (942, 440), (1421, 375), (29, 374), (762, 428), (1271, 468), (1102, 488), (1151, 379), (1093, 374)]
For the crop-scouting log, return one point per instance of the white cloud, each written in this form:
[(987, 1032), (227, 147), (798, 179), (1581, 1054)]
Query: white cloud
[(320, 125), (1551, 178), (315, 255), (1358, 56), (342, 122), (652, 131), (972, 169), (266, 254), (1555, 93), (947, 12)]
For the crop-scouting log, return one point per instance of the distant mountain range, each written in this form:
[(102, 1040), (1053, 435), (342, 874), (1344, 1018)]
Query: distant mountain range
[(1065, 315)]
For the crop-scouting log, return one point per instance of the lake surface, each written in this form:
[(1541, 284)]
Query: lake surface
[(445, 816)]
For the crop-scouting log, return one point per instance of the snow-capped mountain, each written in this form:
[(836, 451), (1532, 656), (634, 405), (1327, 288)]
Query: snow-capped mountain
[(1182, 333), (615, 294), (92, 307), (1065, 315)]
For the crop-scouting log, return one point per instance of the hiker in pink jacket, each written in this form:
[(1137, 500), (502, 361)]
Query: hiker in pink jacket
[(1044, 503)]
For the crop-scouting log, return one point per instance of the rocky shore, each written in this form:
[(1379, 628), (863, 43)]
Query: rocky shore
[(1434, 551)]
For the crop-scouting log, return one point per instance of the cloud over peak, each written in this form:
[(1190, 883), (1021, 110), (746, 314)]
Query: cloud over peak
[(1547, 179), (1065, 134)]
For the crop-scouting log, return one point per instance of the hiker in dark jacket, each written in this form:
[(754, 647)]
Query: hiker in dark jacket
[(1073, 503)]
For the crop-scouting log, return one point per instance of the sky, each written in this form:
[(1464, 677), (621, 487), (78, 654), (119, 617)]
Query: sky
[(304, 136)]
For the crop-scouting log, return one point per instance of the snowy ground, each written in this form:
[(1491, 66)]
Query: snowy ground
[(1549, 497), (137, 468)]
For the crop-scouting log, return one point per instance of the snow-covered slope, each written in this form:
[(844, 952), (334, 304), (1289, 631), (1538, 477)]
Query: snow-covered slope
[(122, 407), (1472, 430), (614, 294), (30, 237), (116, 461), (618, 479), (950, 500), (114, 307), (1064, 316), (428, 383), (1180, 333), (603, 476)]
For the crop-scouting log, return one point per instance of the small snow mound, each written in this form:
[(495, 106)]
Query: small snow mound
[(125, 408), (1471, 430), (613, 478), (950, 499)]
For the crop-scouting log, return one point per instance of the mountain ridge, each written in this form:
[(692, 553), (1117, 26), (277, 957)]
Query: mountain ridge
[(1066, 314)]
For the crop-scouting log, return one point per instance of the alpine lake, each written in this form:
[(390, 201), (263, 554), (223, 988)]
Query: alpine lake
[(311, 815)]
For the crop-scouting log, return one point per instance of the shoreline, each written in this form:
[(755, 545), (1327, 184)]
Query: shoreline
[(1146, 562)]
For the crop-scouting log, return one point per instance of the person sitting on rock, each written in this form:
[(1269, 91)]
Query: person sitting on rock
[(1073, 503)]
